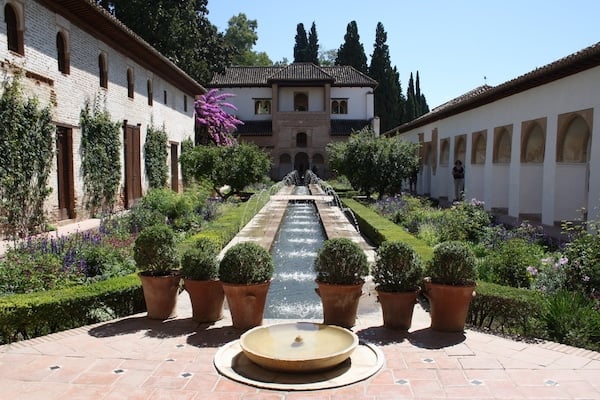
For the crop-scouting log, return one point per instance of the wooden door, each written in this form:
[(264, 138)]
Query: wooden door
[(174, 167), (64, 167), (133, 174)]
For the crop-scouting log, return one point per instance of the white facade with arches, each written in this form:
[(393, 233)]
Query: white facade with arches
[(70, 52), (530, 147)]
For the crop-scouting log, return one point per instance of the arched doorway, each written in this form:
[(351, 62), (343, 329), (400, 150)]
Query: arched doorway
[(301, 163), (285, 165)]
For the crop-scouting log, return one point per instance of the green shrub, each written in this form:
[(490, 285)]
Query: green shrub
[(340, 261), (24, 316), (397, 267), (508, 265), (572, 318), (155, 250), (379, 229), (506, 309), (200, 260), (246, 263), (452, 263)]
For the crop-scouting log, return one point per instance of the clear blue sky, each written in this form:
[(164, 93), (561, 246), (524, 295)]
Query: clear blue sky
[(453, 44)]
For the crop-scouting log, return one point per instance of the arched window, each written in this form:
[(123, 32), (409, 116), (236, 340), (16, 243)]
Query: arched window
[(130, 83), (103, 69), (285, 159), (343, 107), (300, 102), (533, 145), (150, 92), (62, 53), (262, 106), (14, 35), (574, 143), (339, 106), (301, 139)]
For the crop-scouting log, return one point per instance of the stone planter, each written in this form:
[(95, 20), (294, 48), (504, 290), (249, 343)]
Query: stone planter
[(246, 303), (160, 295), (340, 303), (449, 306), (207, 299)]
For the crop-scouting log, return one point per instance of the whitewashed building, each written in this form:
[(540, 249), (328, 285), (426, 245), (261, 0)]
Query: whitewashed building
[(530, 146), (73, 51), (294, 111)]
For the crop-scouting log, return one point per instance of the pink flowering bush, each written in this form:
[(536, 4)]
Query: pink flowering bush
[(213, 120)]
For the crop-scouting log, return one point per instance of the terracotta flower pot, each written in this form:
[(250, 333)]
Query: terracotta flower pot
[(449, 306), (340, 303), (397, 308), (207, 299), (160, 294), (246, 303)]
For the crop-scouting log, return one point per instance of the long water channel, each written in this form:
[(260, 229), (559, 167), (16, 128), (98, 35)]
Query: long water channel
[(300, 235)]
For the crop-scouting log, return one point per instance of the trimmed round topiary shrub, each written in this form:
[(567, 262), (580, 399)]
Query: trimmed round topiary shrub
[(341, 262), (246, 263), (155, 250), (453, 263), (397, 267), (200, 260)]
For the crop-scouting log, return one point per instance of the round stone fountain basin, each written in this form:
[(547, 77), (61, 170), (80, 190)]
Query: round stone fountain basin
[(298, 346)]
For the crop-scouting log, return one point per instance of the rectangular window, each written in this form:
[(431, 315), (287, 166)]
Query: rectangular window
[(184, 103), (164, 96), (262, 106)]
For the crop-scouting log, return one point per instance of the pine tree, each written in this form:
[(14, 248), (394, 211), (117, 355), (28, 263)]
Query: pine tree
[(301, 46), (313, 45), (388, 99), (352, 52)]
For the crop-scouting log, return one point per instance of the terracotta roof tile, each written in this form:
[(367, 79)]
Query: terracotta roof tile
[(344, 76)]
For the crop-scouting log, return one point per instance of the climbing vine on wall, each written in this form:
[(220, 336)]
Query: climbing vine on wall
[(26, 154), (187, 172), (155, 156), (100, 158)]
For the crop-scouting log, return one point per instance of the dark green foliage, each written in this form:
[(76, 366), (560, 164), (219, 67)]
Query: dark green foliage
[(180, 30), (373, 164), (379, 229), (237, 166), (340, 261), (26, 146), (388, 94), (200, 260), (352, 52), (411, 104), (508, 265), (452, 263), (246, 263), (572, 318), (155, 156), (313, 45), (397, 267), (187, 172), (583, 257), (240, 37), (100, 158), (155, 250), (506, 309), (301, 50), (25, 316)]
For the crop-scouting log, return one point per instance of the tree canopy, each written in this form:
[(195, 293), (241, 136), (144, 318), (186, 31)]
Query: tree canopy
[(241, 37), (180, 30), (236, 166), (374, 164), (352, 52), (306, 48)]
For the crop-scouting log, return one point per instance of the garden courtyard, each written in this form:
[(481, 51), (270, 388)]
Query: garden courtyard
[(138, 358)]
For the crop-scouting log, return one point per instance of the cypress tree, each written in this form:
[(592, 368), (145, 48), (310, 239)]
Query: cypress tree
[(387, 95), (418, 111), (313, 45), (410, 108), (301, 46), (352, 52)]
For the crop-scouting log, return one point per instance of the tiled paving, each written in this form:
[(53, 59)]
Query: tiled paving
[(139, 358)]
